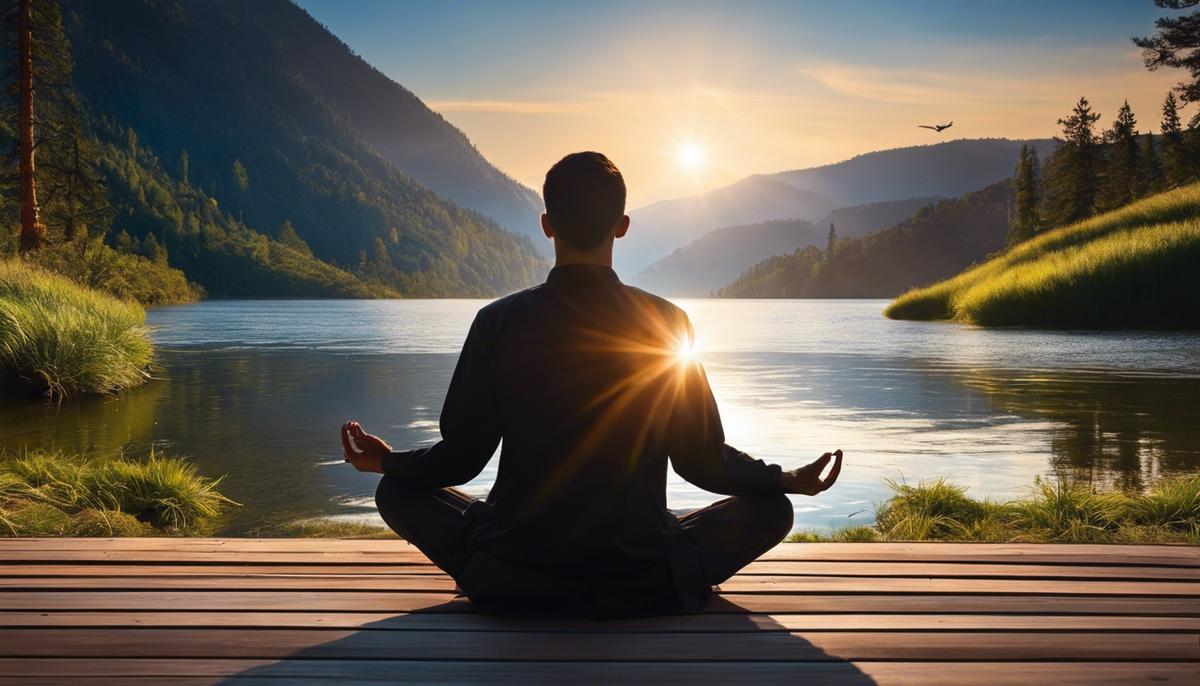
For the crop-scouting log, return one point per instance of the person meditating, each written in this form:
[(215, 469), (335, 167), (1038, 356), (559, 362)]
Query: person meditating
[(592, 387)]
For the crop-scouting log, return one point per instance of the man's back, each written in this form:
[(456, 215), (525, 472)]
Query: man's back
[(588, 384)]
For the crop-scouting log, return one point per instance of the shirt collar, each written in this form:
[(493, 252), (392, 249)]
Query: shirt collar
[(581, 273)]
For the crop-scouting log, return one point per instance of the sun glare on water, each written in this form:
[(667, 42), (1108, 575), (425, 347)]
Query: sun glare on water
[(692, 156)]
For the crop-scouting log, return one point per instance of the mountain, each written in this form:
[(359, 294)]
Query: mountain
[(937, 242), (945, 170), (717, 258), (254, 109), (657, 229)]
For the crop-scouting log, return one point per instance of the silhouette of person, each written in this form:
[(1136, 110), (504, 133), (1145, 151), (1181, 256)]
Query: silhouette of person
[(592, 387)]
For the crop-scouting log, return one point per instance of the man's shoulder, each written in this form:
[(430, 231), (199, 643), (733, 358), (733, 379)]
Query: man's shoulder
[(496, 308), (656, 303)]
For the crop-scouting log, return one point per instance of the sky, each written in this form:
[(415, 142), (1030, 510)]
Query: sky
[(690, 96)]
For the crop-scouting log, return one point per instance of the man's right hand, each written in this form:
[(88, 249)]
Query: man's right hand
[(807, 479), (370, 449)]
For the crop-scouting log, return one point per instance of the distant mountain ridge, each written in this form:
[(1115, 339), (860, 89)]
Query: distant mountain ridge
[(949, 169), (259, 109), (659, 228), (937, 242), (720, 256)]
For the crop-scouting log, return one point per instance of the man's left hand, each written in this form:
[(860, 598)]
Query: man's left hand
[(364, 451)]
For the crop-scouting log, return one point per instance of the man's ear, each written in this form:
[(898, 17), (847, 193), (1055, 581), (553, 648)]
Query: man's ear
[(622, 227), (546, 227)]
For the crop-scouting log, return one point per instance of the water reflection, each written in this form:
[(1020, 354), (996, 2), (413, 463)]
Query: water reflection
[(257, 391)]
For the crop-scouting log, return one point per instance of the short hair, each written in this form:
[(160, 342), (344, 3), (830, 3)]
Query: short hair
[(585, 198)]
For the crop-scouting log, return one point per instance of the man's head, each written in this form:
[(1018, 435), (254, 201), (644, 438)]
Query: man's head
[(585, 202)]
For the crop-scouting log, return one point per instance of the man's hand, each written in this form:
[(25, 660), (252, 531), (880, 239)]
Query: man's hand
[(807, 479), (364, 451)]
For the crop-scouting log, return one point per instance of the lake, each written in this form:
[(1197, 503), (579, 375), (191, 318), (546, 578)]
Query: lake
[(256, 391)]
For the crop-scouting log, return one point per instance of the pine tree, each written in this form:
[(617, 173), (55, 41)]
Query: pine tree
[(240, 177), (1150, 174), (287, 235), (1121, 165), (1174, 154), (1070, 174), (33, 234), (185, 167), (64, 191), (1027, 195), (1174, 45), (831, 243)]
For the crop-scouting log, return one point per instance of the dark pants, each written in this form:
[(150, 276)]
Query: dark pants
[(727, 535)]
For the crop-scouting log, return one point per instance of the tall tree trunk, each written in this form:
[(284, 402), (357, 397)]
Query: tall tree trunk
[(33, 234)]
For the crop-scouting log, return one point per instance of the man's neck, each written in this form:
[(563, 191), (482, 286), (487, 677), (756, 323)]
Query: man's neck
[(600, 256)]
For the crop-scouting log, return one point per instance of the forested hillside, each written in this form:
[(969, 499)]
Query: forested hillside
[(214, 153), (938, 241), (720, 256)]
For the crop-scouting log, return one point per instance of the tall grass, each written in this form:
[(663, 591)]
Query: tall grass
[(60, 339), (1130, 267), (47, 494), (1054, 512)]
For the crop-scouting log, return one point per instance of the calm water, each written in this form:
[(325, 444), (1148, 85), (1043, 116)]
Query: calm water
[(256, 390)]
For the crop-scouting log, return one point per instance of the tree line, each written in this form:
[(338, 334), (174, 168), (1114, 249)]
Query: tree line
[(1095, 171)]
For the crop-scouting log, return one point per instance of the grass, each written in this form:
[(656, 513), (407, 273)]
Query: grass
[(1132, 267), (1054, 512), (326, 528), (52, 494), (60, 339)]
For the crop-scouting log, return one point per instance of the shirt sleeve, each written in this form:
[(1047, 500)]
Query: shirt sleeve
[(470, 424), (696, 440)]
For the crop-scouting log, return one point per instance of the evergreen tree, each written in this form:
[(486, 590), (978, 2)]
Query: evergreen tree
[(240, 177), (1150, 173), (1174, 154), (1027, 195), (1175, 45), (1070, 174), (185, 167), (831, 243), (287, 235), (1120, 179), (63, 192), (154, 250)]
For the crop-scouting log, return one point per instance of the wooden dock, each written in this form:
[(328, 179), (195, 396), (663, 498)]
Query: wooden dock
[(285, 611)]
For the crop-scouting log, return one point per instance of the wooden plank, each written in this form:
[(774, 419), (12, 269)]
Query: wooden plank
[(37, 556), (294, 672), (299, 550), (384, 621), (762, 568), (400, 601), (527, 646), (738, 584), (782, 551)]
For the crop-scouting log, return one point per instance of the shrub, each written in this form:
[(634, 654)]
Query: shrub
[(61, 339), (51, 494)]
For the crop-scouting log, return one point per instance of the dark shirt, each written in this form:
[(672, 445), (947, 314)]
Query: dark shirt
[(584, 379)]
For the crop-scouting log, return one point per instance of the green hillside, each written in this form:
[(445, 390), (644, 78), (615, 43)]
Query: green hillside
[(1138, 266), (223, 151)]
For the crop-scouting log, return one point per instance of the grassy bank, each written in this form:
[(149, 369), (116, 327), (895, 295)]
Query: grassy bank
[(60, 339), (51, 494), (1132, 267), (1052, 513)]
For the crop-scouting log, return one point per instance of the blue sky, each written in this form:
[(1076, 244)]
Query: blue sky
[(756, 86)]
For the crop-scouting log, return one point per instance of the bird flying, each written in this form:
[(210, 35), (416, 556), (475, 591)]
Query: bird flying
[(937, 127)]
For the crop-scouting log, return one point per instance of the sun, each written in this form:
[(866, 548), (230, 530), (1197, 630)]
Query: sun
[(692, 156)]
